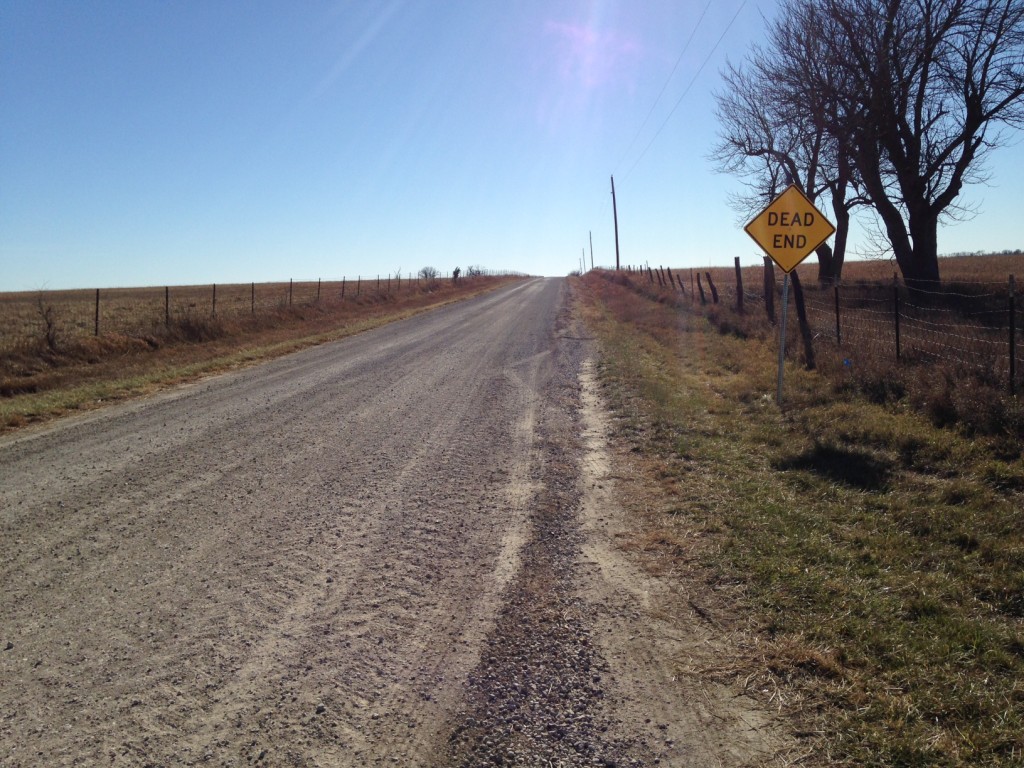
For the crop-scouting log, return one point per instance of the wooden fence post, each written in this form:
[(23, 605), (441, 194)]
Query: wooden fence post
[(671, 279), (769, 289), (801, 316), (839, 334), (700, 287), (290, 282), (167, 306), (318, 290), (711, 285), (252, 299), (96, 323), (739, 286)]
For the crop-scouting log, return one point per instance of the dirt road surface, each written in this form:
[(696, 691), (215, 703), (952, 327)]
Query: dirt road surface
[(398, 549)]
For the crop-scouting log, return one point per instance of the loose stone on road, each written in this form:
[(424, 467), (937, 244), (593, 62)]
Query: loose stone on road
[(380, 551)]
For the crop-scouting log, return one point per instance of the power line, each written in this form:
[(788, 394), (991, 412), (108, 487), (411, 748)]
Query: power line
[(682, 53), (687, 89)]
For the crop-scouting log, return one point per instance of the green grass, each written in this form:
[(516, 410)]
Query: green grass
[(882, 558)]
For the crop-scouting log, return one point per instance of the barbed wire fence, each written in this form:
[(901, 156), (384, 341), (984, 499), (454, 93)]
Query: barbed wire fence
[(29, 319)]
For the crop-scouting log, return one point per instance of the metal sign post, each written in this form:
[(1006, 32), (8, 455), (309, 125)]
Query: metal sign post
[(782, 336), (789, 230)]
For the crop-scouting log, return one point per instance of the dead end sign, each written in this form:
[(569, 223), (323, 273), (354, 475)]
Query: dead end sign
[(790, 228)]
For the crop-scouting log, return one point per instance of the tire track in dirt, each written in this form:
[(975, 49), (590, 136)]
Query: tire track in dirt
[(582, 666), (382, 551), (294, 564)]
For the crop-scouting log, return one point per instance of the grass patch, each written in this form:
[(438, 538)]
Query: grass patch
[(880, 556)]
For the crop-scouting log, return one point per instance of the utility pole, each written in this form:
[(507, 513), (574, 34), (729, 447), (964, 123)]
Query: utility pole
[(591, 249), (615, 213)]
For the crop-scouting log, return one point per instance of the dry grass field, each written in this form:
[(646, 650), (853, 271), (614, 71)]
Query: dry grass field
[(57, 318), (52, 360)]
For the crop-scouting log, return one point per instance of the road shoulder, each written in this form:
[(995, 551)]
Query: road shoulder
[(652, 625)]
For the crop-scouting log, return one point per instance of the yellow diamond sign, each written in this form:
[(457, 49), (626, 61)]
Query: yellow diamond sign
[(790, 228)]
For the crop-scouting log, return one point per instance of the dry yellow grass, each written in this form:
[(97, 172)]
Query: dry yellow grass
[(143, 311), (39, 381)]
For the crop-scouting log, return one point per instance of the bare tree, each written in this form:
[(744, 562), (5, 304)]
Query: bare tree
[(924, 92), (49, 320), (891, 102), (774, 130), (805, 76)]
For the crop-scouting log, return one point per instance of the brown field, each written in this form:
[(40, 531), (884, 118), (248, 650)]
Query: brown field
[(144, 311), (52, 360)]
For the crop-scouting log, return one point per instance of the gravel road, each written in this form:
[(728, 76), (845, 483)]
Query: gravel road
[(381, 551)]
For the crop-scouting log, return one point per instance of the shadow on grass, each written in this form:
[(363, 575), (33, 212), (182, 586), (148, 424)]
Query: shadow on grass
[(852, 467)]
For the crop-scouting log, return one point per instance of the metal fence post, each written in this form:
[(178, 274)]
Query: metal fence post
[(896, 311), (739, 285), (839, 334), (1013, 338)]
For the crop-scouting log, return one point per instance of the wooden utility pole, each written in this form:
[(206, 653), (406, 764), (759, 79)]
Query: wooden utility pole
[(591, 249), (615, 213)]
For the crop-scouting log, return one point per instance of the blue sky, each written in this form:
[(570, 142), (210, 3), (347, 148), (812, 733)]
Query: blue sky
[(153, 143)]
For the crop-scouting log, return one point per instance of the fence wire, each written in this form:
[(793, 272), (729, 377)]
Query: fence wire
[(966, 325), (975, 326), (29, 319)]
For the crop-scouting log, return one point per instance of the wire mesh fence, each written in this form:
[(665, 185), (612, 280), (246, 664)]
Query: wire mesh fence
[(974, 326)]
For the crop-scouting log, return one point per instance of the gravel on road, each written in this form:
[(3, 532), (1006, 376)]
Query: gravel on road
[(381, 551)]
